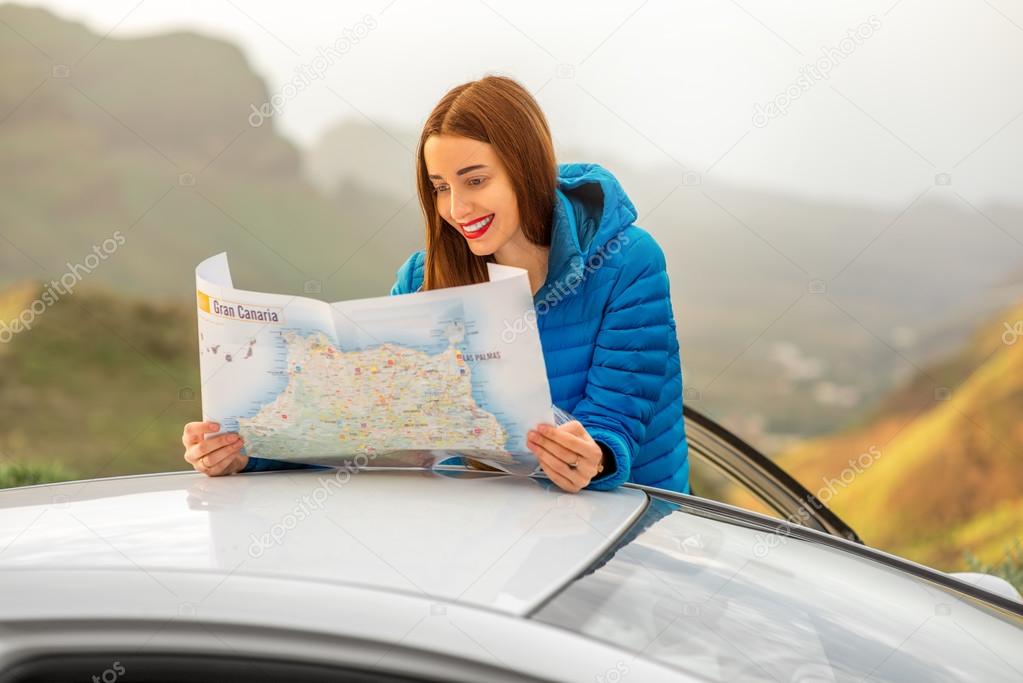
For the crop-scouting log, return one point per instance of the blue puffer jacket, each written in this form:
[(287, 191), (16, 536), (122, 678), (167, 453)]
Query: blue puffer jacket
[(607, 331)]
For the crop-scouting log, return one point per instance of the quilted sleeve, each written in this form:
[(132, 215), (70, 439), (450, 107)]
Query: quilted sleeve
[(405, 278), (630, 358)]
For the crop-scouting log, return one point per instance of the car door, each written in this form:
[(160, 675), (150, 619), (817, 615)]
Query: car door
[(723, 467)]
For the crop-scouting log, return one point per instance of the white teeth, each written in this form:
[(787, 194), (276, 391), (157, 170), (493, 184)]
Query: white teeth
[(479, 225)]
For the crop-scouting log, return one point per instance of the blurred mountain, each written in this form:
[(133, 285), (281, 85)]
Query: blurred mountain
[(937, 468), (180, 95), (155, 137), (380, 156)]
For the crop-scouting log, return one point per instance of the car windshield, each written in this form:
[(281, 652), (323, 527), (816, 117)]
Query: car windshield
[(728, 602)]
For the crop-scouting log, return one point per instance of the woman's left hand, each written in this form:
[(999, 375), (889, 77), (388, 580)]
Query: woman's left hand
[(567, 453)]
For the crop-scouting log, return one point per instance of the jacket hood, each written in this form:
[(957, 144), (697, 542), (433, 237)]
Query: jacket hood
[(590, 209)]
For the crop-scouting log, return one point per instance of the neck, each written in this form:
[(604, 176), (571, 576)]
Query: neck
[(522, 253)]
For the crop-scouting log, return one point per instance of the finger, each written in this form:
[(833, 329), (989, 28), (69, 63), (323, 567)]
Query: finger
[(576, 452), (566, 438), (194, 454), (240, 463), (551, 462), (585, 468), (194, 431), (589, 450), (549, 468), (554, 447), (218, 441), (201, 467), (227, 465), (187, 437), (563, 482), (214, 458), (203, 461), (195, 463), (574, 427)]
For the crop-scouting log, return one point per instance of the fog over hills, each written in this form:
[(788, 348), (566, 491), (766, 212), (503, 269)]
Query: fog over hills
[(794, 314), (901, 285)]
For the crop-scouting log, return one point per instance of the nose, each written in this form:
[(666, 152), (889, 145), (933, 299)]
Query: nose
[(459, 209)]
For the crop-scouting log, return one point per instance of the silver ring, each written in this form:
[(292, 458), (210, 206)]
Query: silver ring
[(573, 465)]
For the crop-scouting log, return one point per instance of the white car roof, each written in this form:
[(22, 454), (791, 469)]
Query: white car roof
[(501, 542)]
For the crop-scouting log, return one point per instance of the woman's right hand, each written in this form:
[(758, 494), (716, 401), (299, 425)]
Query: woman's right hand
[(213, 457)]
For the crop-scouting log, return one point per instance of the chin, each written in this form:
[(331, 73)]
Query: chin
[(480, 249)]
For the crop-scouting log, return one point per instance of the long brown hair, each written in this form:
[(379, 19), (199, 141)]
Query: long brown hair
[(499, 111)]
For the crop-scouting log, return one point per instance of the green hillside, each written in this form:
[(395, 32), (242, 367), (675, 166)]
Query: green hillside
[(948, 476), (99, 386)]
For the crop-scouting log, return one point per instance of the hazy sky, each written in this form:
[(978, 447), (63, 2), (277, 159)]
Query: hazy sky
[(914, 91)]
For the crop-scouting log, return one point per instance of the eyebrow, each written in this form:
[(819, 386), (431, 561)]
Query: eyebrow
[(460, 172)]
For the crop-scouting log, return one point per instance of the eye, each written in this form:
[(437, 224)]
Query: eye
[(473, 182)]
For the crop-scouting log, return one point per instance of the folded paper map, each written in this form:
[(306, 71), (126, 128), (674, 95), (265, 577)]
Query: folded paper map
[(392, 381)]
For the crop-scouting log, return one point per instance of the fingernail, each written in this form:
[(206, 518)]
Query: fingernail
[(234, 437), (214, 426), (543, 429)]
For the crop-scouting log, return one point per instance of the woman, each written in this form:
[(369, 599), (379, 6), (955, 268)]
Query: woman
[(491, 190)]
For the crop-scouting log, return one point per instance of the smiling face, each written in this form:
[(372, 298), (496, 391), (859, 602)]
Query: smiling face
[(473, 192)]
